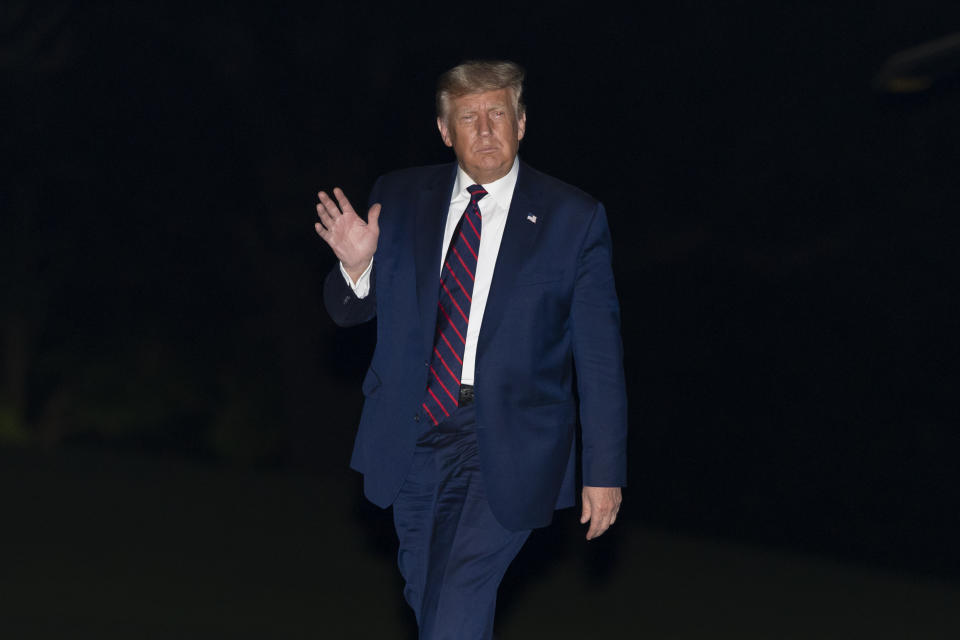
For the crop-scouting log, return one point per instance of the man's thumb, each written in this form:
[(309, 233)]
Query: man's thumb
[(373, 216)]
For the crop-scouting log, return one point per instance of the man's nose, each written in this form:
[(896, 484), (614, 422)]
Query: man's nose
[(483, 125)]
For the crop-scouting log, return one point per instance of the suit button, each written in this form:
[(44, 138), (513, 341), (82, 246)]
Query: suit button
[(416, 417), (426, 364)]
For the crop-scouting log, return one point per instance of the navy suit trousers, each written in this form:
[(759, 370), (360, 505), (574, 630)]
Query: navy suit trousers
[(453, 552)]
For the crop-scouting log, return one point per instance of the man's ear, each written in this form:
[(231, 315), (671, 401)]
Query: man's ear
[(444, 131), (521, 125)]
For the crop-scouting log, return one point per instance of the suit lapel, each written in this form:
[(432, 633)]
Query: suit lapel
[(432, 206), (518, 239)]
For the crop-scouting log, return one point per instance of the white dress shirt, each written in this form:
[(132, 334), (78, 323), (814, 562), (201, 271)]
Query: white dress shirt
[(493, 210)]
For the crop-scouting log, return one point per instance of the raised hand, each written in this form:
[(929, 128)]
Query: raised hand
[(353, 241)]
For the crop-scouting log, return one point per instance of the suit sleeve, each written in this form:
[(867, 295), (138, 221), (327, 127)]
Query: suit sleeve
[(343, 305), (598, 358)]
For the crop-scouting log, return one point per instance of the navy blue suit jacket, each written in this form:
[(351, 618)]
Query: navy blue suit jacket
[(552, 309)]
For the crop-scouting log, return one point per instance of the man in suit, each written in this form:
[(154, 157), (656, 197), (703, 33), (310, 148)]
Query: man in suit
[(491, 283)]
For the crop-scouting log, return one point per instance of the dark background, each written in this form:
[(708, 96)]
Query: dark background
[(783, 232)]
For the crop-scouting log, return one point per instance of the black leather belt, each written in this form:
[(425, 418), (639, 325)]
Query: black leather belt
[(466, 395)]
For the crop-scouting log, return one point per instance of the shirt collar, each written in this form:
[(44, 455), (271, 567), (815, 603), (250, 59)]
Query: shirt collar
[(500, 190)]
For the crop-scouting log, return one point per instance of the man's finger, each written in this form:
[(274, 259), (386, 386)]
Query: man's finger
[(598, 527), (585, 514), (343, 200), (327, 207), (325, 217), (601, 521), (324, 199)]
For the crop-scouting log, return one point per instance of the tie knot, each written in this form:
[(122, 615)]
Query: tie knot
[(476, 192)]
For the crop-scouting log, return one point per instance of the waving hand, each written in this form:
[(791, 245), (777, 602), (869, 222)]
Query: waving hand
[(353, 241)]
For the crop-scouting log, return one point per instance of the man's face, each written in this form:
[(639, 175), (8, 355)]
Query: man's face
[(484, 131)]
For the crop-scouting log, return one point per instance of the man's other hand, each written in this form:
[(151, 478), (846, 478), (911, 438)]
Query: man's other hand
[(600, 507), (353, 241)]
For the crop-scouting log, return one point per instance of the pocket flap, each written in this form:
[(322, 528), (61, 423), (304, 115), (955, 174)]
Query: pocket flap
[(540, 276)]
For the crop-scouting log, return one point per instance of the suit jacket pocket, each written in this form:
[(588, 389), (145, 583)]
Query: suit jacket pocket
[(541, 276), (552, 415)]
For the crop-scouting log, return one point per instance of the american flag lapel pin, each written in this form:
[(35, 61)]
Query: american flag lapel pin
[(532, 218)]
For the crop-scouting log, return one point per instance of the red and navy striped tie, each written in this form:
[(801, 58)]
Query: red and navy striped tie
[(453, 314)]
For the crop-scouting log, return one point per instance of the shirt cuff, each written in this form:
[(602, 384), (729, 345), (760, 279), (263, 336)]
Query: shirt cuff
[(361, 288)]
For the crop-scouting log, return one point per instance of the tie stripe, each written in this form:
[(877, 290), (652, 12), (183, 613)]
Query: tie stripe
[(453, 326), (446, 366), (452, 350), (442, 397), (467, 245), (437, 400), (473, 227), (460, 284), (466, 318), (436, 377), (465, 267)]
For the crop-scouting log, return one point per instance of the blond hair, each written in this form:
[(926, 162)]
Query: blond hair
[(477, 76)]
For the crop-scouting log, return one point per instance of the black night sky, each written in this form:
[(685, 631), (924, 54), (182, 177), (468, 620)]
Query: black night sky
[(784, 246)]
